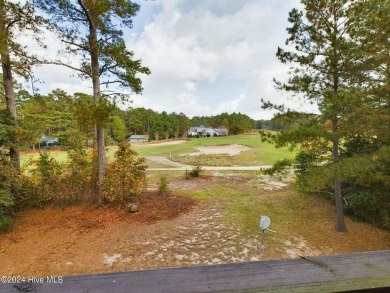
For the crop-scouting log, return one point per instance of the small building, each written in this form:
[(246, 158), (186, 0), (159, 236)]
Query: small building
[(139, 138), (49, 141), (203, 131), (196, 130), (221, 131), (209, 132)]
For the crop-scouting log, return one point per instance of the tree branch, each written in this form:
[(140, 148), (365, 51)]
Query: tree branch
[(66, 65), (85, 10)]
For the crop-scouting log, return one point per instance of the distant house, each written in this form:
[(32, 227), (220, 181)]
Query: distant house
[(139, 138), (196, 130), (207, 132), (49, 141), (222, 131)]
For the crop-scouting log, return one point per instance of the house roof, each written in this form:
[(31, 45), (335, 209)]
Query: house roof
[(139, 136)]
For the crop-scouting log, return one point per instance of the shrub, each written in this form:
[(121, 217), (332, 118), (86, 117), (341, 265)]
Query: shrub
[(163, 187), (7, 176), (78, 178), (365, 205), (195, 172), (46, 176), (126, 177)]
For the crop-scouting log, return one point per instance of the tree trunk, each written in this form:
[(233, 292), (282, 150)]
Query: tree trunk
[(340, 224), (97, 100), (8, 84)]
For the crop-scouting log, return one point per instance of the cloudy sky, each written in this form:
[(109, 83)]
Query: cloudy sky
[(206, 56)]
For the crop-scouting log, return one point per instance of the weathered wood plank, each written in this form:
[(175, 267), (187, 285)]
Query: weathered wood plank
[(332, 273)]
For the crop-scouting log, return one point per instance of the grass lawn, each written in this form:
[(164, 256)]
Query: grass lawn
[(304, 222), (261, 153)]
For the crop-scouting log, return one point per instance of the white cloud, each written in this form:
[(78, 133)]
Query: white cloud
[(189, 43), (205, 56)]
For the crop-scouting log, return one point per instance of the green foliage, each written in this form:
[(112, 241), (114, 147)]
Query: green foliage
[(278, 168), (46, 176), (366, 178), (125, 178), (7, 175), (237, 123), (329, 53), (117, 129), (303, 161), (365, 205), (195, 172), (77, 180), (163, 187), (7, 129), (95, 28), (16, 191)]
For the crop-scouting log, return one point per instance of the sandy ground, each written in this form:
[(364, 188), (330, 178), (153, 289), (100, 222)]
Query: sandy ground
[(84, 240), (195, 238), (182, 167), (231, 150)]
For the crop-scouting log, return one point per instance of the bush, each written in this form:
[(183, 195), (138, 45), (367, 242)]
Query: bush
[(126, 177), (46, 176), (16, 190), (364, 205), (196, 171), (7, 177), (78, 178), (163, 187)]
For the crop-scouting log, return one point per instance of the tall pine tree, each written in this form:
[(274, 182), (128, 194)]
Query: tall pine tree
[(92, 32), (16, 19), (327, 68)]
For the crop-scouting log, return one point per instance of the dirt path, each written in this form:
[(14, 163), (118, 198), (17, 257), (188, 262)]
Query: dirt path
[(198, 237)]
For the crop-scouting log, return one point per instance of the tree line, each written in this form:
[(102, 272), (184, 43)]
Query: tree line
[(71, 119)]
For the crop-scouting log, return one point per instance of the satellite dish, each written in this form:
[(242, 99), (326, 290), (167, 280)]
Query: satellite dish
[(264, 222)]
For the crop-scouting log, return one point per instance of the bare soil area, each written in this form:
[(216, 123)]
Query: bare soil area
[(230, 149), (172, 231)]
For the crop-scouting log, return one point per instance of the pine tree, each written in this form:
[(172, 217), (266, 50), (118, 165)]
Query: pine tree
[(92, 31), (15, 19), (325, 68)]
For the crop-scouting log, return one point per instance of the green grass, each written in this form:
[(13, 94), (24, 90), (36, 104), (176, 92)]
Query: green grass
[(291, 213), (261, 153)]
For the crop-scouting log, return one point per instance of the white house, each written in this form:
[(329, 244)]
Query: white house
[(207, 132), (139, 138)]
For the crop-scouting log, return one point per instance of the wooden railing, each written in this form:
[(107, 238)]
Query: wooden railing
[(356, 272)]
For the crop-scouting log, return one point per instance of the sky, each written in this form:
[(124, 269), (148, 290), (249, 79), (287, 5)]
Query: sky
[(206, 57)]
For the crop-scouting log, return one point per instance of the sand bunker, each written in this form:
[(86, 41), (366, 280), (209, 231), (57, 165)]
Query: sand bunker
[(231, 149)]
